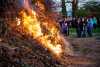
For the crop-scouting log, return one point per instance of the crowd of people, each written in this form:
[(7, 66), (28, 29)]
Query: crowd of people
[(84, 25)]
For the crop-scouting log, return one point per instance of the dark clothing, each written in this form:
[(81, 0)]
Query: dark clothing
[(64, 28), (79, 28), (67, 27), (74, 21), (89, 27), (84, 28), (89, 31), (61, 25), (64, 25)]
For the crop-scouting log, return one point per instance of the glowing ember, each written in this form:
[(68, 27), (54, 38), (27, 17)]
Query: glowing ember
[(18, 21)]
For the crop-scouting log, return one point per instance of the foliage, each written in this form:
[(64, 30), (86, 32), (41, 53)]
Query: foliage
[(92, 6), (89, 8), (81, 12)]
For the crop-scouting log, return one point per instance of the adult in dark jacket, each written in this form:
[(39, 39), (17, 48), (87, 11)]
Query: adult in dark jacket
[(84, 21), (79, 27)]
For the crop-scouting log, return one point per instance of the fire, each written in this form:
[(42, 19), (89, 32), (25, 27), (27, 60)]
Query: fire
[(44, 32), (18, 21), (31, 24)]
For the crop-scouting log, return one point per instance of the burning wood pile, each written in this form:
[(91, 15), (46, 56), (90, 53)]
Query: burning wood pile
[(32, 38), (22, 53)]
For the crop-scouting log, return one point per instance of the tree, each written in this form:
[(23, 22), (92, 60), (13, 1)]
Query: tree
[(93, 7), (74, 6), (89, 8), (81, 12), (64, 12)]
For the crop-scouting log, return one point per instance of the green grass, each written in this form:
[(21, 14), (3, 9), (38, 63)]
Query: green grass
[(73, 33), (72, 30), (97, 30)]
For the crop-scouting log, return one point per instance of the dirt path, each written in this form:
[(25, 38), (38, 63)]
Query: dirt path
[(86, 52)]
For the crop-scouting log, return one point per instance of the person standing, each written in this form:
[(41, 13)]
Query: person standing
[(65, 27), (79, 27), (94, 22), (84, 21), (68, 24), (90, 26)]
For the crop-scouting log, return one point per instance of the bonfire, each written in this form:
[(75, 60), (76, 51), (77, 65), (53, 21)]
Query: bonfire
[(33, 25), (46, 32)]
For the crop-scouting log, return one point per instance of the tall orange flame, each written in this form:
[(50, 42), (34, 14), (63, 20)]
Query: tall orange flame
[(45, 32), (49, 39)]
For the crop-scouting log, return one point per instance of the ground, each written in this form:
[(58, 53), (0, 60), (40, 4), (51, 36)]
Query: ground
[(86, 53), (86, 48)]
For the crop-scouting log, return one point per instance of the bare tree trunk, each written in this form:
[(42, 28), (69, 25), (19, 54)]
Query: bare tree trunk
[(74, 6), (64, 12)]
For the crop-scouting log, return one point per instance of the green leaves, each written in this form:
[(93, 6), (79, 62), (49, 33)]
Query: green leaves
[(89, 8)]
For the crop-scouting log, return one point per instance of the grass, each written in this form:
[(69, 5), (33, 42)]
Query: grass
[(72, 30), (96, 32)]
